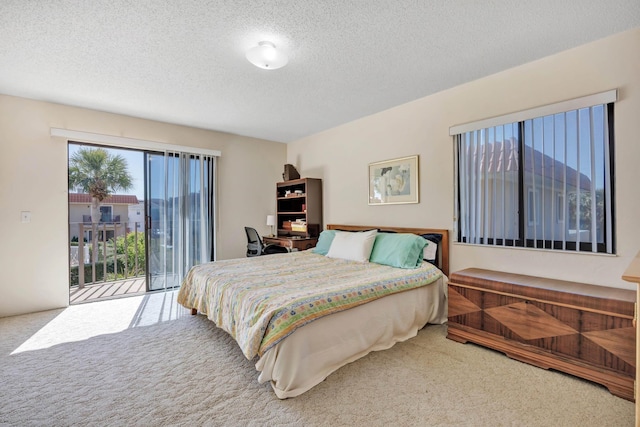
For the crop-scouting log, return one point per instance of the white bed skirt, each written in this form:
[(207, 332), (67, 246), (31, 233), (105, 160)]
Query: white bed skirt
[(306, 357)]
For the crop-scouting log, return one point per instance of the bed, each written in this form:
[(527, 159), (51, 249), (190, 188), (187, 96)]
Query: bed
[(303, 315)]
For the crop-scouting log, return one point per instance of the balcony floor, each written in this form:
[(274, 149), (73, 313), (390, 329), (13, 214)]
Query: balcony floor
[(108, 290)]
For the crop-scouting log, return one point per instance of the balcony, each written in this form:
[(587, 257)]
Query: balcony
[(107, 290), (104, 219), (107, 259)]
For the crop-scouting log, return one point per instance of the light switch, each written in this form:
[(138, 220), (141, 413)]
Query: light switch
[(26, 216)]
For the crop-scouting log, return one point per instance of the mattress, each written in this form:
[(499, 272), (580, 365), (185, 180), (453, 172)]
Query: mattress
[(305, 315)]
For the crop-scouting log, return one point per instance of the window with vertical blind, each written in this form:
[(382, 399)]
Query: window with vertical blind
[(180, 190), (541, 178)]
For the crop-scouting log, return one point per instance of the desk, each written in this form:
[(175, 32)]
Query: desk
[(291, 243)]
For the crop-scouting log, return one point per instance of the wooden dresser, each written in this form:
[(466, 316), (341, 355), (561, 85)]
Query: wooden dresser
[(632, 274), (584, 330)]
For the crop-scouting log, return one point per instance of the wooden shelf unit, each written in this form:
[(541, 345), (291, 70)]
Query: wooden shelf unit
[(307, 206), (581, 329)]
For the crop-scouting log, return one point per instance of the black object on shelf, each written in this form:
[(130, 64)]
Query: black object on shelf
[(290, 173)]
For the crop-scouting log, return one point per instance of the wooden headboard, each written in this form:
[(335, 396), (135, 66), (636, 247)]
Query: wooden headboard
[(443, 247)]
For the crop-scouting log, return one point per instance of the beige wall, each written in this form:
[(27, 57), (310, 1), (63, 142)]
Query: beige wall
[(33, 177), (340, 156), (33, 173)]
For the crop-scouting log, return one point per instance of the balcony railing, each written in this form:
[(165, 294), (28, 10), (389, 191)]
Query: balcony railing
[(106, 251), (108, 219)]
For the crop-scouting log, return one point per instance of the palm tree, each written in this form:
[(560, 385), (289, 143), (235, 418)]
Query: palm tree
[(95, 171)]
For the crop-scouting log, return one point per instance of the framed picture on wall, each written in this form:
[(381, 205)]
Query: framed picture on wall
[(394, 181)]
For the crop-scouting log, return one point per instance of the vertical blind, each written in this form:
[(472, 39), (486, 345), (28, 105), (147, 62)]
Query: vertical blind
[(541, 182), (184, 189)]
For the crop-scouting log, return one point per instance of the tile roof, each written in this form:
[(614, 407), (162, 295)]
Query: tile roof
[(111, 200), (503, 155)]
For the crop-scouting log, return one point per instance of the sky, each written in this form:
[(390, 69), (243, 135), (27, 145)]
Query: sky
[(135, 163)]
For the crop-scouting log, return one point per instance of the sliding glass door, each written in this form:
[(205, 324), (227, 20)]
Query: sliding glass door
[(180, 207)]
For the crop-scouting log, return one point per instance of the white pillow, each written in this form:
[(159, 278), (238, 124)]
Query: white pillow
[(355, 246), (429, 251)]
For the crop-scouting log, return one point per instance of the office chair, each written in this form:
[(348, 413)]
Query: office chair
[(255, 247)]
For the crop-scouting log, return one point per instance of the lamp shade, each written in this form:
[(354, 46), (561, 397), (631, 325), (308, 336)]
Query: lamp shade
[(266, 56), (271, 220)]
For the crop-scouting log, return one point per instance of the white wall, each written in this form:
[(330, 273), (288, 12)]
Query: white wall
[(34, 263), (340, 156), (136, 217)]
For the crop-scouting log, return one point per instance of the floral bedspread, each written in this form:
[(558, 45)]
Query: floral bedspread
[(261, 300)]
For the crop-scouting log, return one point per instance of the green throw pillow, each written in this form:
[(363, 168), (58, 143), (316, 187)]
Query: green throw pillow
[(402, 250), (324, 242)]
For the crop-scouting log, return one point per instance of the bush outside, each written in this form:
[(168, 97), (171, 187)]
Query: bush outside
[(134, 245), (115, 264)]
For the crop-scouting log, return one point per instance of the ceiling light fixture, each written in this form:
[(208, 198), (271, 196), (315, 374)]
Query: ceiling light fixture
[(266, 56)]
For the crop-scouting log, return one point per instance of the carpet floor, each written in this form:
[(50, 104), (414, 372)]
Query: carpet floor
[(144, 361)]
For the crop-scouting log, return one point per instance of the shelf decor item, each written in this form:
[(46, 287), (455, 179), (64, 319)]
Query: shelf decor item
[(394, 181), (290, 173), (299, 226)]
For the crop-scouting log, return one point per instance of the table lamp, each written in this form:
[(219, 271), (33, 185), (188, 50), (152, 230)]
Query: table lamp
[(271, 221)]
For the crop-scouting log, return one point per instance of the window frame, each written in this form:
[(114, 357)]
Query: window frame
[(556, 216)]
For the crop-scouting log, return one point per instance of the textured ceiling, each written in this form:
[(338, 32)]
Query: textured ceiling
[(183, 61)]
